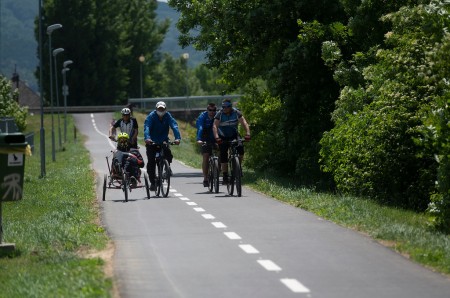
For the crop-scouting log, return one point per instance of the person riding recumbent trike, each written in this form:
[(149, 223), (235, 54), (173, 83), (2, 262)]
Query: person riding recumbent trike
[(125, 169)]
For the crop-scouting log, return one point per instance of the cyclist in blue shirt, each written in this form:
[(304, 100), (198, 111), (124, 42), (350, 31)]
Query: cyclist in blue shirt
[(205, 135), (156, 130), (225, 130)]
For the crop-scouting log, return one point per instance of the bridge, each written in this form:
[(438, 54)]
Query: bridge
[(180, 106)]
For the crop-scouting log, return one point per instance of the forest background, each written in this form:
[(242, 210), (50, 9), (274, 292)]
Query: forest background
[(349, 95)]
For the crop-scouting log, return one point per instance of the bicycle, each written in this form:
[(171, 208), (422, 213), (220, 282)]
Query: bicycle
[(213, 169), (235, 168), (163, 170), (120, 179)]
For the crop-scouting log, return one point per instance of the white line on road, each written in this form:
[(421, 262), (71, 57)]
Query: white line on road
[(232, 235), (184, 199), (178, 195), (198, 209), (208, 216), (191, 203), (294, 285), (172, 190), (269, 265), (249, 249), (218, 225)]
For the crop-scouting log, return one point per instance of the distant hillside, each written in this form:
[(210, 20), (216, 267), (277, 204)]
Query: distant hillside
[(18, 47)]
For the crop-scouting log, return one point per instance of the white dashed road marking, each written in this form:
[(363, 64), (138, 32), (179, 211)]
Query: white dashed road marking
[(249, 249), (269, 265), (198, 209), (294, 285), (191, 203), (232, 235), (208, 216), (218, 225)]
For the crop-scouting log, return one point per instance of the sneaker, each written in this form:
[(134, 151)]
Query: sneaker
[(152, 186), (205, 183), (133, 181), (225, 179)]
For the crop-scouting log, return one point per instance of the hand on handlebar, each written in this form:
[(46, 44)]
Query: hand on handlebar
[(247, 138), (113, 138), (148, 142), (219, 141), (176, 142)]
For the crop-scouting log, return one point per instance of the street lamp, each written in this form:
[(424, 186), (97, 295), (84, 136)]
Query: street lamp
[(55, 53), (50, 30), (65, 91), (186, 58), (42, 130), (142, 60)]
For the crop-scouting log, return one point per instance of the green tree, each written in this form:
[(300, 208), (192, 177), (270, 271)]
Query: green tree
[(9, 104), (104, 39), (376, 147)]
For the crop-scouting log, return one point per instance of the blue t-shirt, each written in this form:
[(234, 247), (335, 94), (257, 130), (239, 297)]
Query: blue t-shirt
[(228, 126), (158, 129), (204, 128)]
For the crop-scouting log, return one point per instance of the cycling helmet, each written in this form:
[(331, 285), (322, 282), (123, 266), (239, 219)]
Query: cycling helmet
[(126, 111), (122, 141)]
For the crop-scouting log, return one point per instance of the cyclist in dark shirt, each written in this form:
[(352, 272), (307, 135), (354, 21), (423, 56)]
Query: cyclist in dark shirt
[(205, 133), (128, 125), (225, 130)]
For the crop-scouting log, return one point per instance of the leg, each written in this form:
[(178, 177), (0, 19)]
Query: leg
[(151, 163)]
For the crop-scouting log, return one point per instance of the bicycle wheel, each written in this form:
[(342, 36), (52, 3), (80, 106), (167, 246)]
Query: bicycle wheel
[(147, 186), (158, 180), (104, 186), (125, 186), (216, 174), (230, 185), (210, 174), (237, 176), (165, 178)]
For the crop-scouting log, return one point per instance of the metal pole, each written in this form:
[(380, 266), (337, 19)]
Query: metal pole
[(141, 81), (51, 95), (41, 91), (65, 102), (55, 53)]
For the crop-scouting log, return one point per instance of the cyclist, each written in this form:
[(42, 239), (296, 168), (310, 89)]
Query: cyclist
[(156, 130), (127, 124), (205, 134), (132, 161), (225, 129)]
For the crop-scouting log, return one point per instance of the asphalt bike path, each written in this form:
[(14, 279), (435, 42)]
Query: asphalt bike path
[(200, 244)]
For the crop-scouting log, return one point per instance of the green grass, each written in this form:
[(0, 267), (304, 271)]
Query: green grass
[(54, 226), (407, 232)]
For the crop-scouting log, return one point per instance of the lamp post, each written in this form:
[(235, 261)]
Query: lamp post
[(142, 60), (65, 92), (42, 130), (55, 53), (186, 58), (50, 30)]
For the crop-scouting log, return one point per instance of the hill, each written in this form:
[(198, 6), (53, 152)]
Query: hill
[(18, 47)]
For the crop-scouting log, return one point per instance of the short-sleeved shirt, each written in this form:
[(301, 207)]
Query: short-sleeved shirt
[(204, 128), (228, 126), (129, 127)]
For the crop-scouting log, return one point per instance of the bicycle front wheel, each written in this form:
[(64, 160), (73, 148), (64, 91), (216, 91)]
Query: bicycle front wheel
[(210, 174), (237, 176), (216, 175), (125, 186), (230, 185), (165, 178)]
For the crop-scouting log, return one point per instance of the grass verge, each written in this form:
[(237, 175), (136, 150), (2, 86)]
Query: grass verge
[(55, 226), (407, 232)]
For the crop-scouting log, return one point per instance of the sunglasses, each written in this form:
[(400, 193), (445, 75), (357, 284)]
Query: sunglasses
[(212, 110)]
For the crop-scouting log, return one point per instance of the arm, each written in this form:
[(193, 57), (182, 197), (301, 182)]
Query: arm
[(112, 131), (176, 131), (245, 125), (147, 124), (215, 130), (199, 125), (136, 130)]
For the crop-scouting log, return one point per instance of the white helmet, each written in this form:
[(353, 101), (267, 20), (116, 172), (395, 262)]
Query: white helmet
[(126, 111)]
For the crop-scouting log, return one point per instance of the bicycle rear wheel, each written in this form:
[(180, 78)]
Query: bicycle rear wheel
[(104, 186), (165, 178), (158, 180)]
